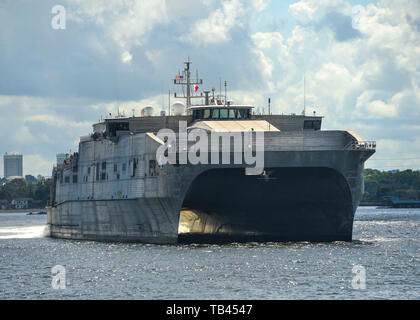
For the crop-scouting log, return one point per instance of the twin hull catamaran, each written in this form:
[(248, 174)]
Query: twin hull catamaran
[(115, 188)]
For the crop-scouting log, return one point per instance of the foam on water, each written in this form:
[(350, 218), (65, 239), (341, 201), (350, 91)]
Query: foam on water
[(22, 232)]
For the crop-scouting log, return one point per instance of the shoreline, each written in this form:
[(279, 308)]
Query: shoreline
[(22, 210)]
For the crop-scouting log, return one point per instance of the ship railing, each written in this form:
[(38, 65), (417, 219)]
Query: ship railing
[(361, 145)]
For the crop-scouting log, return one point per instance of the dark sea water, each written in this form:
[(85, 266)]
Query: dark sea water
[(386, 244)]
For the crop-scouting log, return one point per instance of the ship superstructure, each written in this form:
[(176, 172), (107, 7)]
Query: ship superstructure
[(116, 187)]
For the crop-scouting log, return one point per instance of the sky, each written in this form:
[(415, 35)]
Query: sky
[(360, 61)]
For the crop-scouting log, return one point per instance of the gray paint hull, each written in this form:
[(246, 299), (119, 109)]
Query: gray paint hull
[(149, 220), (307, 195)]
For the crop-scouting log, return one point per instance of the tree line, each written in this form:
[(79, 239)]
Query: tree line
[(404, 185), (18, 188)]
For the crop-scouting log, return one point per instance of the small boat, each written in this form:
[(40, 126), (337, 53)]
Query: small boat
[(32, 213)]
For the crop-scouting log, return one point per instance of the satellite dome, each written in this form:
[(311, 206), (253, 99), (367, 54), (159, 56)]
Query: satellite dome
[(178, 109), (147, 111)]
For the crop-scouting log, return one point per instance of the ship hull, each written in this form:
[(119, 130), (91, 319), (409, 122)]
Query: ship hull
[(148, 220), (302, 196)]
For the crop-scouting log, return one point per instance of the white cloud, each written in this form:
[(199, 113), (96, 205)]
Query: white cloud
[(307, 11), (266, 40), (39, 128), (302, 11), (126, 23), (35, 164), (126, 57), (369, 108), (341, 73), (217, 26), (366, 79)]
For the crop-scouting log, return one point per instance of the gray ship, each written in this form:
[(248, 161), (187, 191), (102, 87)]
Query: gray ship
[(117, 187)]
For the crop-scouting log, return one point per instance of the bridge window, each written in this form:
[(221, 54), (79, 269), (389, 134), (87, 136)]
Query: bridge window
[(222, 113), (198, 114), (113, 127), (312, 124), (206, 114), (244, 113)]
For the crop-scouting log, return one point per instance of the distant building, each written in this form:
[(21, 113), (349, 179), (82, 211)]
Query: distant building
[(60, 158), (13, 165)]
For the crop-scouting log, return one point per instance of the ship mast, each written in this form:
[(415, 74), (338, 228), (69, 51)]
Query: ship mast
[(184, 79), (188, 73)]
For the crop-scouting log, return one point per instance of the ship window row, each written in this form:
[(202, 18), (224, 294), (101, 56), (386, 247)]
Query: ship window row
[(67, 179), (101, 173), (222, 113)]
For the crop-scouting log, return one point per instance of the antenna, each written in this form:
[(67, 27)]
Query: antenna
[(225, 93), (269, 112), (163, 97), (304, 95), (187, 71), (220, 87)]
